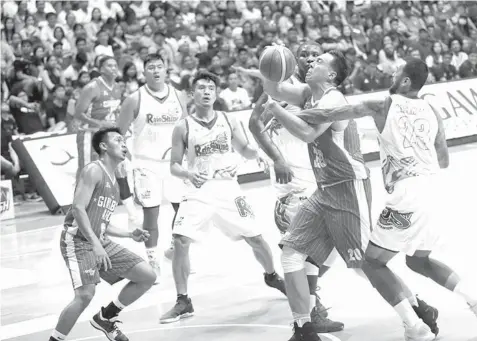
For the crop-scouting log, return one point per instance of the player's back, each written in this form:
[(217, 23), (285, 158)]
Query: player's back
[(103, 202), (407, 141), (106, 105), (336, 155), (152, 129)]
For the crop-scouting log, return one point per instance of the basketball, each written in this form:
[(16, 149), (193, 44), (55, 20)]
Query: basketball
[(277, 63)]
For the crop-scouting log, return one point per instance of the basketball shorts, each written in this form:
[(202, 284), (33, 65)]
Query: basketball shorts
[(338, 217), (154, 184), (410, 220), (86, 153), (80, 260), (220, 203)]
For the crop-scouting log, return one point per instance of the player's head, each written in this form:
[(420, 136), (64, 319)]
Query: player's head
[(330, 67), (204, 87), (409, 77), (110, 142), (108, 67), (307, 54), (155, 70)]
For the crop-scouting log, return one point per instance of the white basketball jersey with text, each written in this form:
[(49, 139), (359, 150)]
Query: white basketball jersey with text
[(152, 129), (407, 141)]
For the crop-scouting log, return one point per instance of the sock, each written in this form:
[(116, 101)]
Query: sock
[(312, 302), (301, 319), (468, 291), (113, 309), (413, 301), (270, 275), (129, 204), (406, 313), (151, 253), (182, 297), (57, 336)]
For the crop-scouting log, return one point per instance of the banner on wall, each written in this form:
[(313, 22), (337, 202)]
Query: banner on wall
[(7, 207)]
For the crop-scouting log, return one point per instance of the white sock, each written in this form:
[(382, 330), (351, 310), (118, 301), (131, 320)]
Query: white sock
[(129, 204), (468, 291), (312, 302), (406, 313), (118, 304), (57, 335), (413, 301), (151, 253), (301, 319)]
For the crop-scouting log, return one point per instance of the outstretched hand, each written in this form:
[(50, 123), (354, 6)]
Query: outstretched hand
[(140, 235)]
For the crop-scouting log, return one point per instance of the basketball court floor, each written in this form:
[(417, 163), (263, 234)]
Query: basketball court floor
[(231, 300)]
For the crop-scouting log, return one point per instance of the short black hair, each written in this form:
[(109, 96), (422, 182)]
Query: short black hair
[(100, 136), (204, 74), (103, 60), (151, 57), (417, 71), (340, 66)]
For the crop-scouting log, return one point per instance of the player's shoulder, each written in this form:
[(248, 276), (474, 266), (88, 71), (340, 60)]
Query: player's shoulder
[(92, 173)]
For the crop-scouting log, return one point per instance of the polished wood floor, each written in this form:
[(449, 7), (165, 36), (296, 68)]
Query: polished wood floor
[(231, 301)]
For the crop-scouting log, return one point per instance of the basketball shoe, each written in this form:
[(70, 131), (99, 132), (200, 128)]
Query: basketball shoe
[(182, 309), (275, 281), (420, 332), (305, 333), (108, 327), (323, 324), (428, 314)]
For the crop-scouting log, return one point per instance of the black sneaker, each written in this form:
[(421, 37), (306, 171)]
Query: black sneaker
[(319, 306), (182, 309), (275, 281), (305, 333), (428, 314), (322, 324), (108, 327)]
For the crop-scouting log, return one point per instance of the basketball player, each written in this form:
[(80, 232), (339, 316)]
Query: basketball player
[(89, 254), (294, 178), (209, 137), (412, 147), (153, 110), (338, 214), (97, 108)]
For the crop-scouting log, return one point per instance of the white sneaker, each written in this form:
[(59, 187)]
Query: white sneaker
[(420, 332), (157, 269)]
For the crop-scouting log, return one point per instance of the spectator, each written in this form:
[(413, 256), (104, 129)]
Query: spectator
[(469, 67), (72, 72), (119, 37), (389, 60), (435, 57), (48, 31), (446, 71), (59, 35), (371, 78), (26, 112), (235, 97), (52, 74), (94, 26), (30, 31), (458, 57), (55, 109), (102, 46), (130, 78)]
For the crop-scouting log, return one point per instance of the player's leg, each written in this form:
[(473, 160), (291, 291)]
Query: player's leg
[(443, 275), (169, 252), (125, 265)]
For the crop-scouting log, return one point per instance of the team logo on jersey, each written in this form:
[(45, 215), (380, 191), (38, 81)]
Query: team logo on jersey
[(171, 117), (90, 272), (219, 145), (390, 219), (318, 158), (243, 207)]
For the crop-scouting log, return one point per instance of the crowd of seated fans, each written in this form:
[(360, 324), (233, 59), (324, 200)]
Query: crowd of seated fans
[(50, 49)]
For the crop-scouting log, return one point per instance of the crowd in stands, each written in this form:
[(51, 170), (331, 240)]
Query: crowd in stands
[(50, 49)]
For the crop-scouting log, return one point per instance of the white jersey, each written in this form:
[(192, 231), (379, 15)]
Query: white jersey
[(407, 141), (152, 129), (209, 147)]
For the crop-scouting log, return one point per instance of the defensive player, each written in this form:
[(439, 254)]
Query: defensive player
[(153, 110), (338, 213), (209, 138), (412, 147), (89, 254), (98, 107), (294, 178)]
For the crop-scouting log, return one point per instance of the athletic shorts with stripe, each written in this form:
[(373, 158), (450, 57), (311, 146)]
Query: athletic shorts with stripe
[(80, 261), (338, 217)]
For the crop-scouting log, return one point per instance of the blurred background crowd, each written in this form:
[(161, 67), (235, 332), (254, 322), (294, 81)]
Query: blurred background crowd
[(50, 49)]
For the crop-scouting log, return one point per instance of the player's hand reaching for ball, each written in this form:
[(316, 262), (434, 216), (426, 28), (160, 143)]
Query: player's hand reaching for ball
[(102, 259), (139, 235), (197, 178)]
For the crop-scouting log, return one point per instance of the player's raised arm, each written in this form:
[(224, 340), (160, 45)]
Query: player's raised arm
[(441, 143), (129, 111), (90, 176), (295, 94)]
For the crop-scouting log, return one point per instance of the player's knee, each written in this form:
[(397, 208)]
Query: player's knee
[(85, 295), (181, 242), (149, 277), (311, 270), (255, 241), (292, 260), (371, 261)]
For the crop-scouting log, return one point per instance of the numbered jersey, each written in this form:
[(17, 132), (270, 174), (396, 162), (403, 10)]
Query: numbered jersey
[(336, 156), (407, 141), (103, 202), (106, 106), (152, 129), (209, 147)]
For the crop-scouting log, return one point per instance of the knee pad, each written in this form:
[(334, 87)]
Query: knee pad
[(292, 260), (311, 270)]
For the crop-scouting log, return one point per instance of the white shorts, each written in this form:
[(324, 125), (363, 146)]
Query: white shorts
[(218, 202), (410, 220), (154, 184)]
